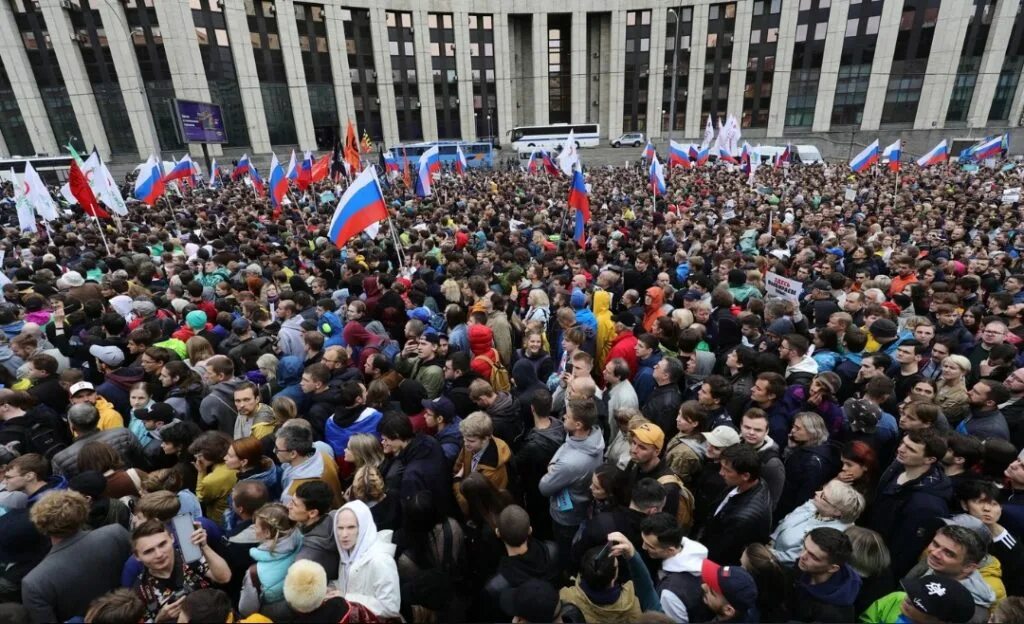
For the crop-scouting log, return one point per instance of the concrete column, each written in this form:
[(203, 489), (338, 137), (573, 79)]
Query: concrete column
[(464, 69), (183, 58), (656, 79), (424, 74), (539, 40), (129, 78), (603, 65), (578, 66), (503, 75), (385, 84), (23, 83), (339, 63), (695, 78), (783, 69), (76, 80), (616, 69), (295, 73), (885, 48), (1017, 105), (828, 77), (740, 52), (248, 80), (992, 63), (940, 76)]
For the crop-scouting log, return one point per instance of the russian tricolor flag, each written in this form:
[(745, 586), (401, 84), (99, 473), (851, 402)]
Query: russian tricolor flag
[(677, 155), (784, 157), (532, 165), (390, 162), (430, 163), (549, 165), (989, 148), (867, 157), (657, 177), (181, 169), (150, 184), (702, 155), (892, 153), (305, 174), (214, 174), (242, 168), (278, 183), (360, 206), (460, 161), (580, 201), (938, 154), (648, 153), (725, 156), (257, 181), (292, 172)]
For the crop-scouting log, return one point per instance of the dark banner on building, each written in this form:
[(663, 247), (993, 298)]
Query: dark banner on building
[(200, 122)]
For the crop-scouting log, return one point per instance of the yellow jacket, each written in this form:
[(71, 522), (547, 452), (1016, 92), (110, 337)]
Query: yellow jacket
[(605, 325), (213, 488), (110, 418)]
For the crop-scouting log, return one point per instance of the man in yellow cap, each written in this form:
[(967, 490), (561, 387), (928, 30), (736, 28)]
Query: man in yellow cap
[(645, 443)]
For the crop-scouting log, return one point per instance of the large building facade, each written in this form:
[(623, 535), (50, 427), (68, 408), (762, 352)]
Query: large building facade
[(104, 73)]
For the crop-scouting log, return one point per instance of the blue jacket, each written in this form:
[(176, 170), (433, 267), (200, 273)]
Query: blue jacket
[(272, 566), (451, 441), (289, 374), (338, 435), (643, 381), (332, 337)]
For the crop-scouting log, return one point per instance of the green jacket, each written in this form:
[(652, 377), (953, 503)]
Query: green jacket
[(430, 374), (885, 610)]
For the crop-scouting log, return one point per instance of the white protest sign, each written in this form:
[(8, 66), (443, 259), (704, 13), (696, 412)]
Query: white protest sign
[(783, 287), (850, 194)]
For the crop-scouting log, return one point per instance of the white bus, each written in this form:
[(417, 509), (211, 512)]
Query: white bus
[(551, 136)]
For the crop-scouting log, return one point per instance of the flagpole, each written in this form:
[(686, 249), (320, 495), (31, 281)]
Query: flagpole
[(398, 244), (102, 235)]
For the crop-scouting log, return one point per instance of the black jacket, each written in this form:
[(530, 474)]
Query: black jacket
[(723, 330), (662, 407), (458, 392), (50, 393), (745, 519), (321, 407), (807, 469), (425, 468)]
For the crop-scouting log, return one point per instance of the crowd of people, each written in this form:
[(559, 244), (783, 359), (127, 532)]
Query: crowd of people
[(224, 417)]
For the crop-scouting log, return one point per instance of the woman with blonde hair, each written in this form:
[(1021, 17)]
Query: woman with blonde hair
[(836, 505), (540, 307), (952, 388), (364, 450), (199, 350), (870, 559), (368, 487)]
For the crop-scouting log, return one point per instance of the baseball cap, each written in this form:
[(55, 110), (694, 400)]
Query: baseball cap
[(533, 601), (420, 314), (161, 412), (626, 318), (240, 325), (111, 356), (862, 414), (441, 405), (732, 583), (650, 434), (945, 599), (79, 387), (431, 337), (821, 285), (722, 436)]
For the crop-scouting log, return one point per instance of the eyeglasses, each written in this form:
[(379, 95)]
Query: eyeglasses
[(279, 451)]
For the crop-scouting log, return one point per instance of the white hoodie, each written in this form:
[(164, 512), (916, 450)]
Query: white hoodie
[(688, 560)]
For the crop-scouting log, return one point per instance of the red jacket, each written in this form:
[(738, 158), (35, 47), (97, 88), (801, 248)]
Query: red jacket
[(624, 346)]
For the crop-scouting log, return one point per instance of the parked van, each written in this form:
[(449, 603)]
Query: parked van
[(805, 154)]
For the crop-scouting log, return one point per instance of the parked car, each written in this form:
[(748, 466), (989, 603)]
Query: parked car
[(636, 139)]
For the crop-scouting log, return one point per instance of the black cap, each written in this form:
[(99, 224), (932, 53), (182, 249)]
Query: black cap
[(944, 599), (626, 318), (160, 412), (821, 285)]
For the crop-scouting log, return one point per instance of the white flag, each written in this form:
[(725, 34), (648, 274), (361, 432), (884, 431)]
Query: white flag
[(709, 134), (38, 195), (26, 218), (569, 156)]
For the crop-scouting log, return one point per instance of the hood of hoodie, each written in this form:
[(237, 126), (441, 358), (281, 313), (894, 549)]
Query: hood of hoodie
[(285, 547), (577, 299), (227, 388), (333, 325), (524, 375), (806, 365), (356, 335), (592, 445), (981, 592), (657, 296), (56, 482), (688, 560), (289, 370), (602, 302), (312, 468), (555, 432), (371, 288), (13, 329), (840, 589), (125, 378), (533, 564), (481, 339)]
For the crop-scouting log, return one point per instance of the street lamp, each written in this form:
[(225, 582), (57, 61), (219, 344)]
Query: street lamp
[(675, 67), (490, 137)]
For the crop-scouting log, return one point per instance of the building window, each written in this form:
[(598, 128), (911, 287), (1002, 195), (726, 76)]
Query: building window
[(808, 54), (682, 63), (359, 46), (403, 65), (485, 101), (910, 60), (970, 60), (758, 84), (443, 68), (718, 60), (855, 63), (637, 72), (560, 66)]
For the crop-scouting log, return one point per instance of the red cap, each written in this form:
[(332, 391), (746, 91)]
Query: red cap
[(709, 574)]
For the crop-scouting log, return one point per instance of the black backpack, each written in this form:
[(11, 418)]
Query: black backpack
[(41, 439)]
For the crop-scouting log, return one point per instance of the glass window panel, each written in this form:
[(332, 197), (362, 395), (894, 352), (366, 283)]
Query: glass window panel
[(755, 36), (257, 41), (824, 4), (432, 20), (772, 35), (435, 49), (713, 12), (488, 49), (390, 19), (873, 23), (406, 20), (820, 30), (273, 41), (712, 40), (645, 45), (446, 20), (408, 48), (730, 11), (487, 22), (851, 27), (222, 38), (801, 32), (631, 18), (776, 6), (759, 7), (645, 17), (393, 48), (805, 5), (204, 39)]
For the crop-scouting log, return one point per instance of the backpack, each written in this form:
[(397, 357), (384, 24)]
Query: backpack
[(41, 439), (684, 513), (390, 350), (438, 323), (499, 378)]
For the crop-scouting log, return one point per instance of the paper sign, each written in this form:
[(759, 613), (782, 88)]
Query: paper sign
[(327, 196), (850, 195), (783, 287), (970, 168)]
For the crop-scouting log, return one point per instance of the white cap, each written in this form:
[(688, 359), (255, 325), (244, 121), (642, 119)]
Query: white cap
[(78, 387)]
